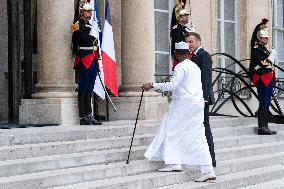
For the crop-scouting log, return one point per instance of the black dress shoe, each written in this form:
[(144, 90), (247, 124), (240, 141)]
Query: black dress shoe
[(93, 121), (265, 131), (85, 121), (214, 163)]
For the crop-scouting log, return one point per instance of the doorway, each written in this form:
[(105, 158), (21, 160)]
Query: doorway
[(21, 54)]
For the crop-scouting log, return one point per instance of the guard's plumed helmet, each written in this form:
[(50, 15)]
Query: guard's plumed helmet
[(85, 6), (259, 31), (176, 10), (183, 12), (262, 33)]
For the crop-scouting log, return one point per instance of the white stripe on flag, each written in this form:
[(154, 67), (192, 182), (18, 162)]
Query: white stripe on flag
[(107, 43)]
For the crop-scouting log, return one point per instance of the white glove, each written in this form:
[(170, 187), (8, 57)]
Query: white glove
[(93, 32), (273, 55), (191, 28)]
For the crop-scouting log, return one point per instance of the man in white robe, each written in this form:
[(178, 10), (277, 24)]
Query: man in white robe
[(180, 140)]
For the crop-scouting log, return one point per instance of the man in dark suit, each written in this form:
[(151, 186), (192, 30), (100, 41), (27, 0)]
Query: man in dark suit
[(203, 59)]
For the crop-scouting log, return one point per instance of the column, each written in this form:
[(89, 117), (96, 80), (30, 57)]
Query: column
[(138, 44), (55, 99), (137, 62), (4, 117), (55, 75)]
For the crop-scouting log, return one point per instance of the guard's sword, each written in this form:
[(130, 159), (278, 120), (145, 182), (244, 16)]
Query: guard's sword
[(277, 102)]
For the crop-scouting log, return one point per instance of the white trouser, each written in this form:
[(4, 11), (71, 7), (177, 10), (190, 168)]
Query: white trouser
[(206, 169)]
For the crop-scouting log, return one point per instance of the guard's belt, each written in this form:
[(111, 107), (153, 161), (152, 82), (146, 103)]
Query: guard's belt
[(258, 67), (86, 48)]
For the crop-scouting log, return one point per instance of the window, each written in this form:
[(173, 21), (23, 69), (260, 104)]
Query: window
[(278, 33), (278, 39), (162, 37), (227, 36)]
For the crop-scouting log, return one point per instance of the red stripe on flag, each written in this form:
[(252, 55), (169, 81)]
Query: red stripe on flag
[(110, 73)]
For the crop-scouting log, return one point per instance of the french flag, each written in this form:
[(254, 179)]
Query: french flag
[(96, 32), (108, 54)]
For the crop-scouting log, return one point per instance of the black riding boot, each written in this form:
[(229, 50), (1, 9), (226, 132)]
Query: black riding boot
[(88, 104), (82, 109), (262, 117)]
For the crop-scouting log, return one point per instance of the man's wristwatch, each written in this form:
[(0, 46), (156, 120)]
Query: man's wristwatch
[(152, 85)]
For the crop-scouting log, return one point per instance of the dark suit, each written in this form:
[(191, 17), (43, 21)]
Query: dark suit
[(204, 62)]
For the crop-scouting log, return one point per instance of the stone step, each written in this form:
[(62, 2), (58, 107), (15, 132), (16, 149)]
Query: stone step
[(72, 133), (37, 164), (250, 150), (250, 162), (231, 181), (243, 140), (156, 180), (220, 122), (79, 174), (274, 184), (61, 147), (97, 172), (68, 147), (142, 181), (107, 130)]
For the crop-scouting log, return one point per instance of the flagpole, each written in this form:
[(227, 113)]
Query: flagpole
[(108, 97), (107, 109)]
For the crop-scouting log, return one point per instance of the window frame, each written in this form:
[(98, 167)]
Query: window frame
[(222, 28), (275, 29), (170, 6), (221, 42)]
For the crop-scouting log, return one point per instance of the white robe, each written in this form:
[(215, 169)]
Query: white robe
[(181, 136)]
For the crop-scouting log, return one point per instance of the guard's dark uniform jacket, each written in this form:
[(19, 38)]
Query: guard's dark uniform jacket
[(83, 45), (177, 34), (261, 68)]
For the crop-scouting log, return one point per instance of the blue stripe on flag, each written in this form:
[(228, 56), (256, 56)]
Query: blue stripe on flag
[(107, 13), (96, 8)]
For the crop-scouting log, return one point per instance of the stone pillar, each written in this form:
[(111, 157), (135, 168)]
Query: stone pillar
[(55, 99), (138, 62), (138, 44), (4, 62)]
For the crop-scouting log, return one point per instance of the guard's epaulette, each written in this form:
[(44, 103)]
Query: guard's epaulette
[(75, 27), (175, 27)]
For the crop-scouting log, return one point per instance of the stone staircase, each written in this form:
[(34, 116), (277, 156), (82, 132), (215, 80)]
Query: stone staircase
[(85, 157)]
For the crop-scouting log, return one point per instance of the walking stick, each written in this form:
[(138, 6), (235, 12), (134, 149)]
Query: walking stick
[(127, 162)]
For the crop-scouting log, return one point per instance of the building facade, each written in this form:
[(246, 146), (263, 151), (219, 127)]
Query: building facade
[(36, 75)]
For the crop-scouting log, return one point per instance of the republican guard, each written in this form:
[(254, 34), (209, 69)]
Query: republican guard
[(85, 49), (263, 77)]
